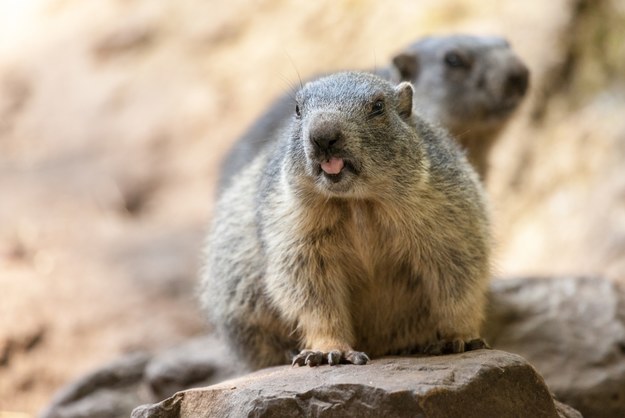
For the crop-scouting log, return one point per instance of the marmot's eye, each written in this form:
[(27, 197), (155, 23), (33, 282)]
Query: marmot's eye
[(377, 108), (298, 112), (455, 60)]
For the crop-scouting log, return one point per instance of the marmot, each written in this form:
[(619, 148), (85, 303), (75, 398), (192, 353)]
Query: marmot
[(468, 84), (360, 231)]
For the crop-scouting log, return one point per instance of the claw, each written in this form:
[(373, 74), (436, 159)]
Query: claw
[(357, 357), (314, 359), (477, 344), (434, 349), (298, 360), (334, 358), (302, 358), (454, 346)]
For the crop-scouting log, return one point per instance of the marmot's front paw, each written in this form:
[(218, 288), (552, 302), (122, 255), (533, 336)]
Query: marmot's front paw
[(454, 346), (316, 358), (476, 344)]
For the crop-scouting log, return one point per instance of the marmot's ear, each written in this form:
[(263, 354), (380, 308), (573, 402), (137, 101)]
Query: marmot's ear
[(404, 97), (407, 65)]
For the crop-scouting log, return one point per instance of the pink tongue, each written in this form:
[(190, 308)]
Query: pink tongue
[(333, 165)]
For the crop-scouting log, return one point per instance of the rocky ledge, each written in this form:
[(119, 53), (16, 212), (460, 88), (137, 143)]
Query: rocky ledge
[(572, 329), (483, 383)]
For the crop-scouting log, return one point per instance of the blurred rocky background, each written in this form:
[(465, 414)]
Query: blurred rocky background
[(114, 116)]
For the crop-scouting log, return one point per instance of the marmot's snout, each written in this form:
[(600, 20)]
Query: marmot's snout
[(326, 137), (511, 86), (327, 141), (517, 80), (328, 153)]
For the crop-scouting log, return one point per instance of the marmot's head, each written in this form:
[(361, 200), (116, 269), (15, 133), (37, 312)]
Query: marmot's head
[(350, 134), (472, 83)]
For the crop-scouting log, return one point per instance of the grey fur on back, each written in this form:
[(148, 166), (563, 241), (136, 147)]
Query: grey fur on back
[(474, 104), (389, 254)]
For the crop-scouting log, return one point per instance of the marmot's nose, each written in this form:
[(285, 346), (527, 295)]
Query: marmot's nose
[(326, 135), (517, 81)]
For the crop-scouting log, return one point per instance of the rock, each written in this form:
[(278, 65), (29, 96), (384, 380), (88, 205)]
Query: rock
[(572, 330), (198, 362), (117, 388), (102, 403), (482, 383), (107, 392)]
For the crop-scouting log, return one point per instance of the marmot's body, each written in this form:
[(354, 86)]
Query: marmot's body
[(361, 229), (470, 85)]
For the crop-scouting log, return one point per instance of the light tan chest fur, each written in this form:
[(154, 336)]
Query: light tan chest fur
[(389, 302)]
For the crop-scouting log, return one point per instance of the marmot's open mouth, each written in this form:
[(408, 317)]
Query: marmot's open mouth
[(335, 169)]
